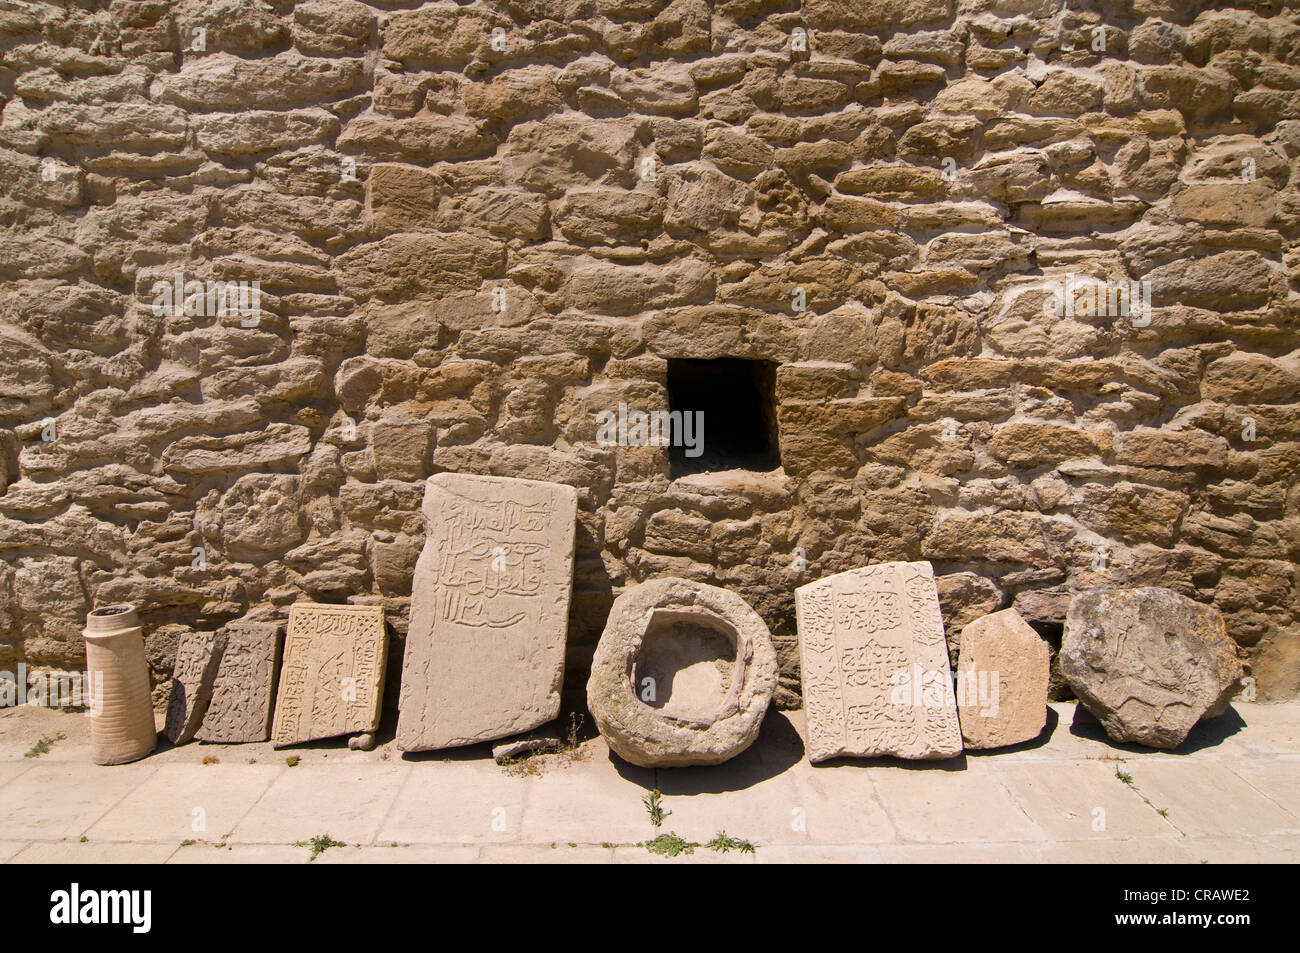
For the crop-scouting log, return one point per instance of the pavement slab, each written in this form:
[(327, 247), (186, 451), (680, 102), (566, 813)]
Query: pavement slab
[(75, 852), (64, 799), (1206, 799), (347, 802), (1228, 795), (189, 801), (1081, 800)]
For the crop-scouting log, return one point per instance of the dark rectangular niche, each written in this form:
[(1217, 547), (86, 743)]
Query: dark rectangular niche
[(738, 400)]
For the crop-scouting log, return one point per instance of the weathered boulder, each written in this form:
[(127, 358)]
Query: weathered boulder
[(1148, 663), (683, 674)]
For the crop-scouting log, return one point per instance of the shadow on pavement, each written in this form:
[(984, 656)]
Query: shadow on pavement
[(1204, 734), (777, 749)]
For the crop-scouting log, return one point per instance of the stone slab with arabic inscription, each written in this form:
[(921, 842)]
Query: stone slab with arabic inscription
[(489, 610), (876, 679), (332, 679)]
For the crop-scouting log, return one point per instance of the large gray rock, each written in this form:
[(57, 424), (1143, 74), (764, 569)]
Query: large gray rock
[(1148, 663), (484, 653), (682, 675)]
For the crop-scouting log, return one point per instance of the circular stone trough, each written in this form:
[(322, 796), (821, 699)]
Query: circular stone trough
[(683, 674)]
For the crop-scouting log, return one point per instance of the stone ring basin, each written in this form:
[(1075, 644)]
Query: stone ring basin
[(683, 674)]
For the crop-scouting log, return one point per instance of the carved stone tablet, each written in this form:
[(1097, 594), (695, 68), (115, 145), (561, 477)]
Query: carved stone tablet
[(876, 679), (197, 656), (331, 682), (489, 611), (244, 692), (1001, 681)]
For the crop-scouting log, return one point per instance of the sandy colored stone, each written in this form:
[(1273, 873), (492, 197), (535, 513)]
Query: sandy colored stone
[(332, 679), (876, 679), (1002, 677), (489, 610), (198, 654), (683, 674), (243, 695), (1148, 662)]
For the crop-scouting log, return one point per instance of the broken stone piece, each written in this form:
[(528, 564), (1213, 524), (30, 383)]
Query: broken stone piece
[(876, 679), (243, 694), (331, 682), (545, 738), (198, 654), (489, 610), (1148, 662), (1002, 677), (682, 675), (365, 741)]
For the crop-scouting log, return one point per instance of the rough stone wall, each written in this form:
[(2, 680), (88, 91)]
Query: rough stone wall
[(642, 181)]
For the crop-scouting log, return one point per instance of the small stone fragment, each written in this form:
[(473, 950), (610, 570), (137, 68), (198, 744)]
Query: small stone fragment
[(545, 738)]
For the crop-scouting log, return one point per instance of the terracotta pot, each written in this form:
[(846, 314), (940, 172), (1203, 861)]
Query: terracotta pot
[(121, 726)]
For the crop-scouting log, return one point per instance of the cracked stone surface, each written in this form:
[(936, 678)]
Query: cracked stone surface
[(198, 656)]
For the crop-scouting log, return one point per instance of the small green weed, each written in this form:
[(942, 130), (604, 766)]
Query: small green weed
[(724, 843), (43, 746), (319, 844), (655, 808), (670, 845)]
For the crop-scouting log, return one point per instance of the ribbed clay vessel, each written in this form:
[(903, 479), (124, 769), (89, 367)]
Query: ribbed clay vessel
[(121, 726)]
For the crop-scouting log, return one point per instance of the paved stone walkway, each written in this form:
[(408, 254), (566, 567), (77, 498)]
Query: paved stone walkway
[(1231, 794)]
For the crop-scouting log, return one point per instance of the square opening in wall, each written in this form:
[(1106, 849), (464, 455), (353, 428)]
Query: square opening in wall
[(724, 415)]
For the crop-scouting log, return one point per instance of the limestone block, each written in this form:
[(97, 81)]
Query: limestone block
[(1148, 663), (876, 679), (332, 679), (1002, 677), (682, 675), (489, 610)]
